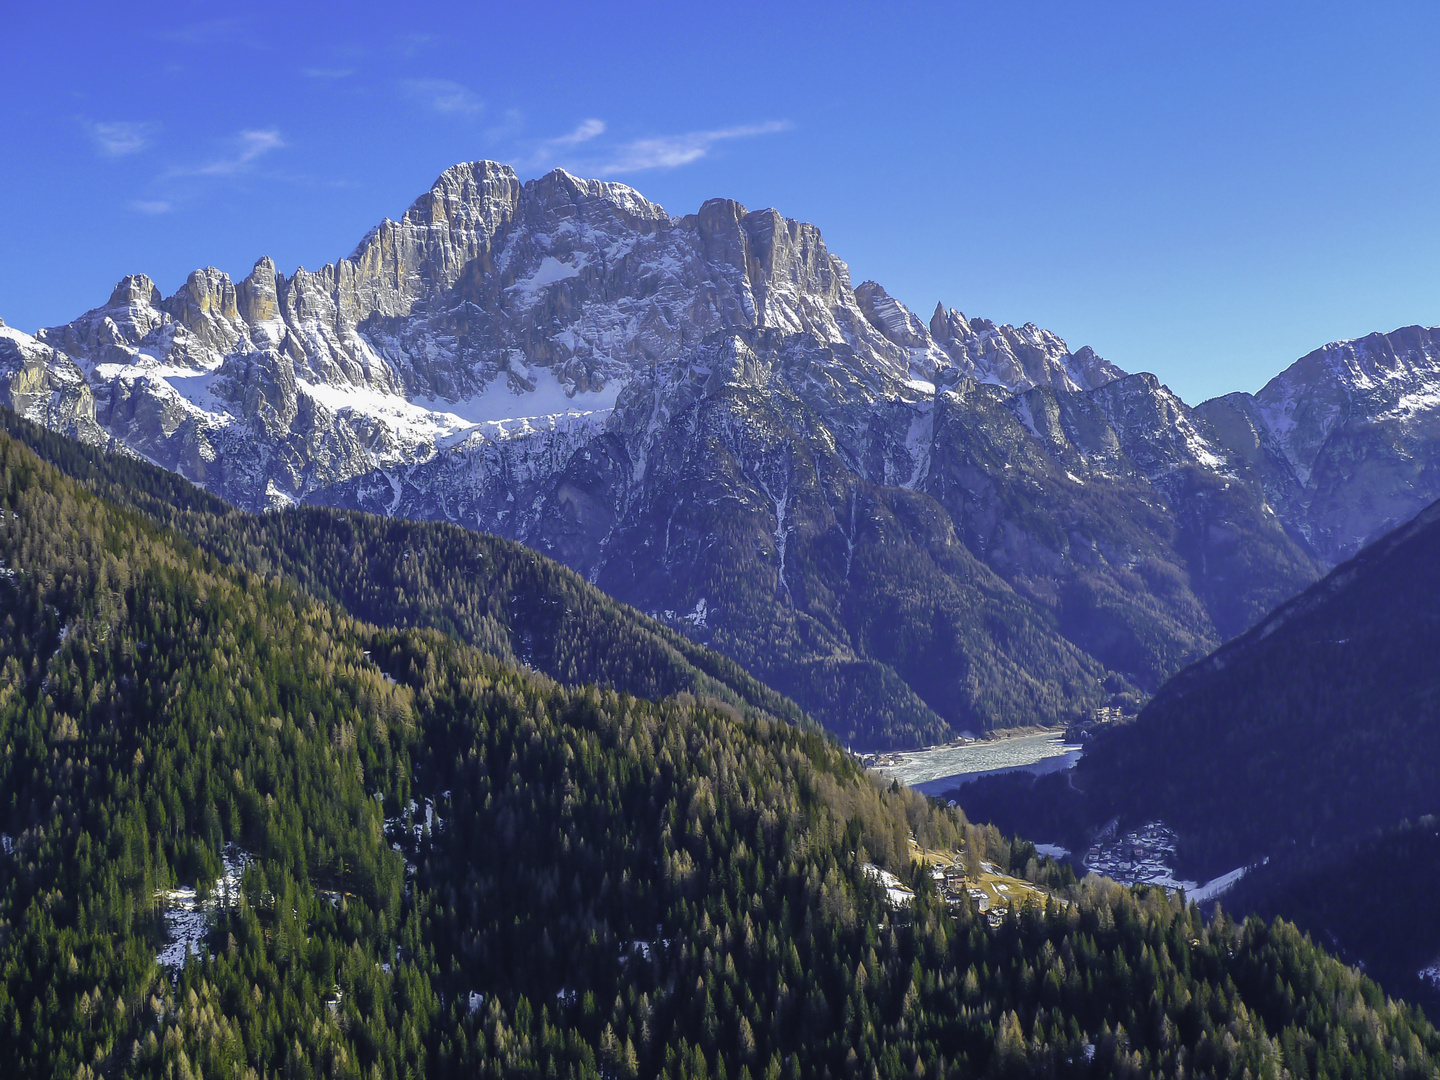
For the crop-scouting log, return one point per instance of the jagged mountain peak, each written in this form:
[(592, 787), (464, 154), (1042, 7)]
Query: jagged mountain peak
[(44, 385), (947, 324), (488, 299), (481, 186), (561, 361), (132, 288), (470, 176), (890, 317), (469, 190), (1017, 358), (1385, 366), (558, 185)]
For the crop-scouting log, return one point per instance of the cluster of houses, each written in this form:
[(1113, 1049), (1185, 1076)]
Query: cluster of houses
[(1142, 856), (991, 890), (957, 887), (1081, 730)]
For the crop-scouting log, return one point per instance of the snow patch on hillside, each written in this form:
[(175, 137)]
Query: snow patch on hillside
[(1216, 886), (548, 272), (697, 617), (187, 917), (896, 893), (500, 402)]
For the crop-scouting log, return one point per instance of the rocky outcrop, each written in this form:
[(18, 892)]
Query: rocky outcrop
[(1017, 358), (44, 386), (536, 299)]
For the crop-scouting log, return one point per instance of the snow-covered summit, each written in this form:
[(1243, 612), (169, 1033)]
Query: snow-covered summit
[(488, 299)]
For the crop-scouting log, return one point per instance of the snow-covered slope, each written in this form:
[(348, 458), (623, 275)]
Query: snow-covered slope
[(488, 300), (1346, 439), (913, 527)]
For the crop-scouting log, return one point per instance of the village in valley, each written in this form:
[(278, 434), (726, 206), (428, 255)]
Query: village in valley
[(991, 890)]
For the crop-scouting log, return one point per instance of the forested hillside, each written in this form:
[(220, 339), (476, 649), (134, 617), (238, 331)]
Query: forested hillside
[(1371, 899), (413, 859), (495, 594), (1319, 726)]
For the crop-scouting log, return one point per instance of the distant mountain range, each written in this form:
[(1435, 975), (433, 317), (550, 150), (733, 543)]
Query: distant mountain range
[(912, 529)]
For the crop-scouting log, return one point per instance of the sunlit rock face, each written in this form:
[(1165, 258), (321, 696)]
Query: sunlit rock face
[(915, 527), (44, 385)]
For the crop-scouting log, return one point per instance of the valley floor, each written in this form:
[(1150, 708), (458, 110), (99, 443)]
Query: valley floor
[(938, 769)]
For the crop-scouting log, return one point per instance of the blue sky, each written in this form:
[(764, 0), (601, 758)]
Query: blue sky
[(1205, 191)]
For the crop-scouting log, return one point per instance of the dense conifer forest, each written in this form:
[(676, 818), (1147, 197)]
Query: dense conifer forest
[(414, 857), (1371, 899)]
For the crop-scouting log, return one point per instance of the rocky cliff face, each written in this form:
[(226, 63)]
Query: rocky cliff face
[(44, 386), (915, 528)]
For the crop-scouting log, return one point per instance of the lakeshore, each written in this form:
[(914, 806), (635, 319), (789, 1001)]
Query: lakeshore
[(938, 769)]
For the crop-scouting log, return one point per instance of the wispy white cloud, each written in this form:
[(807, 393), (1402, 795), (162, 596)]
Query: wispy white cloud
[(238, 159), (121, 137), (547, 151), (635, 155), (584, 132), (671, 151), (329, 74), (444, 96), (247, 147)]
